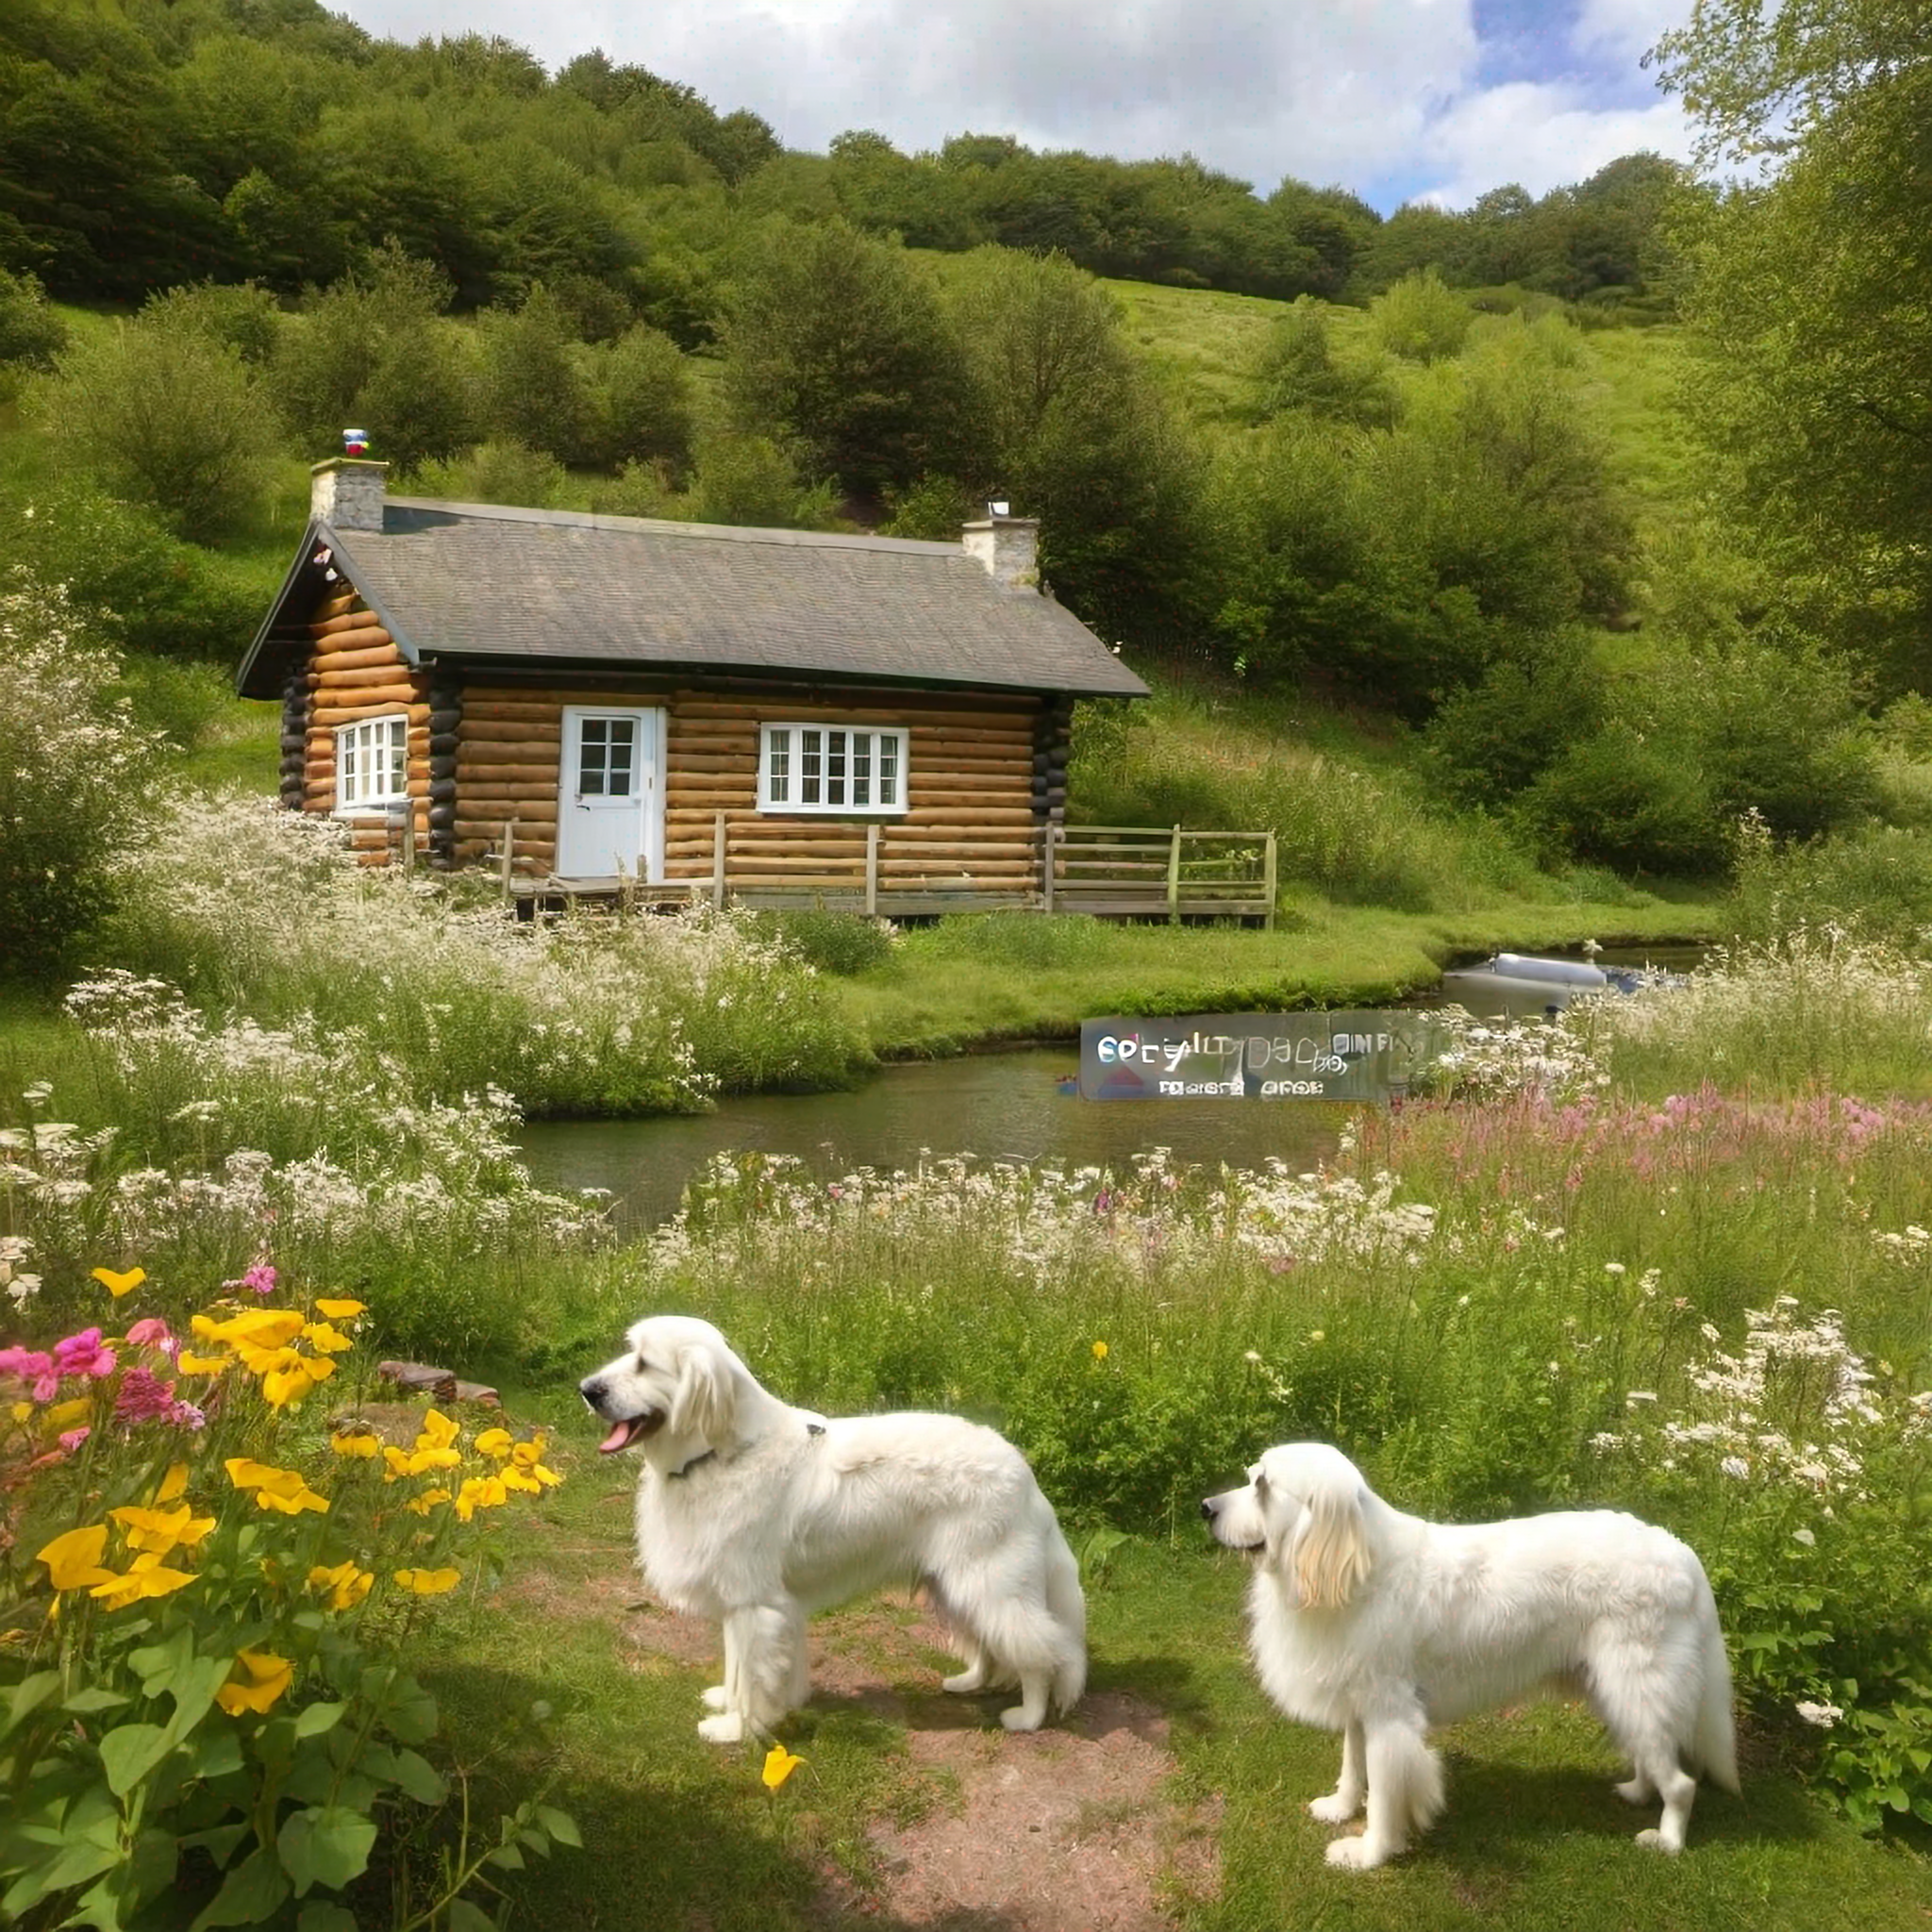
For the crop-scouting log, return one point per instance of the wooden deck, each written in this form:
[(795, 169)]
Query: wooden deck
[(1113, 871)]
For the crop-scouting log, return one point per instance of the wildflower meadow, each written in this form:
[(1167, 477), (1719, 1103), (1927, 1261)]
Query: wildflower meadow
[(1595, 1265)]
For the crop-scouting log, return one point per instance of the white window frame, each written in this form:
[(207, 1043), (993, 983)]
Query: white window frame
[(847, 760), (373, 763)]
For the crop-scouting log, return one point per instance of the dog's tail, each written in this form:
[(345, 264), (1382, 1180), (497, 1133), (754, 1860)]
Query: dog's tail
[(1714, 1743), (1068, 1603)]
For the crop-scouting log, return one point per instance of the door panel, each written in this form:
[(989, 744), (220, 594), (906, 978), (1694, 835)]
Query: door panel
[(610, 803)]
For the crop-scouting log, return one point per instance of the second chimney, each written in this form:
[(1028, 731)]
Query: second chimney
[(1006, 547), (347, 493)]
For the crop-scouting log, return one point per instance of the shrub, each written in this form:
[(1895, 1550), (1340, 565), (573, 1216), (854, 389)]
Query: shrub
[(30, 332), (1493, 739), (158, 411), (218, 1711), (843, 943), (1629, 800), (73, 779), (639, 405), (1421, 318), (495, 472), (1874, 883)]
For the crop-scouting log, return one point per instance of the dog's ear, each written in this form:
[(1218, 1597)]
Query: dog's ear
[(703, 1403), (1330, 1551)]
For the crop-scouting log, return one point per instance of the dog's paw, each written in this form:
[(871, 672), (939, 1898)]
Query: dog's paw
[(1334, 1808), (1658, 1842), (1636, 1791), (1357, 1854), (712, 1697), (1018, 1717), (727, 1727), (965, 1683)]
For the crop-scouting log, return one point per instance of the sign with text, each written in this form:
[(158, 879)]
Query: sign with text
[(1350, 1055)]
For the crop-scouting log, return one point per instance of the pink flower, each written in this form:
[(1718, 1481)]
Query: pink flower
[(142, 1397), (152, 1332), (184, 1415), (259, 1278), (34, 1368), (82, 1354), (71, 1440)]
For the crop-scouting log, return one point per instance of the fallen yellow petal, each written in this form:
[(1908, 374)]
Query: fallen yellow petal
[(779, 1765)]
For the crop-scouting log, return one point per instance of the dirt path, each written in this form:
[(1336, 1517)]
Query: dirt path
[(1069, 1829)]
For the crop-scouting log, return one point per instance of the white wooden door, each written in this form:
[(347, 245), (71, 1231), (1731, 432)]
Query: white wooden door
[(610, 800)]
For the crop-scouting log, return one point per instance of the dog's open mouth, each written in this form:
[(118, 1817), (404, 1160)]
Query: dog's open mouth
[(632, 1429)]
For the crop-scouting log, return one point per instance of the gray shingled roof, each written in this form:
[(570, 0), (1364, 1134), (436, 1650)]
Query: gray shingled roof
[(478, 581)]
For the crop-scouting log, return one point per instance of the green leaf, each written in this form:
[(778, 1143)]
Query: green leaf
[(561, 1825), (92, 1701), (419, 1779), (314, 1719), (216, 1753), (326, 1845), (76, 1865), (508, 1856), (464, 1917), (218, 1841), (319, 1915), (30, 1694), (249, 1894), (193, 1689), (130, 1751)]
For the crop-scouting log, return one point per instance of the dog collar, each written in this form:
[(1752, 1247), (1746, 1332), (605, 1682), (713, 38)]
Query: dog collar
[(671, 1474)]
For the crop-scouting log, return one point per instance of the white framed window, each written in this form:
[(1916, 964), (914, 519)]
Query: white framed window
[(832, 768), (372, 763)]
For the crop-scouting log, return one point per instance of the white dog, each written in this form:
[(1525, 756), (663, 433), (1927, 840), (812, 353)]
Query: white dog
[(1377, 1624), (756, 1513)]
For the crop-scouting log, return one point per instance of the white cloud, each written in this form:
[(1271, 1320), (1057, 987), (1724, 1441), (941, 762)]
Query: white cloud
[(1379, 96)]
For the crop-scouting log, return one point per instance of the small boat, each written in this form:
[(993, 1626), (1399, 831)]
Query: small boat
[(1523, 983)]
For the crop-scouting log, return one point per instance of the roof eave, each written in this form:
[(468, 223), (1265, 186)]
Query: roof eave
[(343, 562)]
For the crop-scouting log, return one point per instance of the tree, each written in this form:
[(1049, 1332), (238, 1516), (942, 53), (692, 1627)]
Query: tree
[(163, 413), (1421, 318), (837, 340), (1808, 294)]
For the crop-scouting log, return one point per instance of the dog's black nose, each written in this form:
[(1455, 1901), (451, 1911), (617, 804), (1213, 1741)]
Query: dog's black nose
[(1208, 1507), (591, 1389)]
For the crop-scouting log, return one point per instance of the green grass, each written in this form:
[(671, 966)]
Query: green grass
[(1533, 1838)]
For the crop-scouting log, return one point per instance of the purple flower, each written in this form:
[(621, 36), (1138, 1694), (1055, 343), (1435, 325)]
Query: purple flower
[(184, 1415), (143, 1397), (82, 1354), (34, 1368)]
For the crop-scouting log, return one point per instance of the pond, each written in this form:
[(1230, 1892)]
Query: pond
[(1000, 1106)]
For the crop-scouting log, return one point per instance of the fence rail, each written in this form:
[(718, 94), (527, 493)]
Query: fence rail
[(1111, 871)]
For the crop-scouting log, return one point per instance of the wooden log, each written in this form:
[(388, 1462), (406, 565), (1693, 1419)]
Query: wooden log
[(364, 627), (775, 848), (378, 668), (507, 775), (555, 696), (393, 687), (482, 728), (471, 750), (480, 705), (391, 705), (683, 760), (495, 810)]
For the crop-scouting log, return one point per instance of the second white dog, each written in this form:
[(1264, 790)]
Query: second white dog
[(755, 1513), (1377, 1624)]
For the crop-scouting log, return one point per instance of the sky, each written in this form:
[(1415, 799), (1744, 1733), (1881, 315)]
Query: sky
[(1437, 100)]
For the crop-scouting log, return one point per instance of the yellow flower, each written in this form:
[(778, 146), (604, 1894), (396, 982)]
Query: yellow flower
[(160, 1530), (346, 1585), (74, 1560), (430, 1582), (289, 1383), (117, 1284), (357, 1439), (173, 1483), (319, 1334), (1100, 1351), (66, 1415), (339, 1310), (524, 1471), (202, 1364), (274, 1489), (497, 1442), (145, 1577), (258, 1679), (480, 1492), (779, 1765), (438, 1431), (427, 1501), (22, 1411)]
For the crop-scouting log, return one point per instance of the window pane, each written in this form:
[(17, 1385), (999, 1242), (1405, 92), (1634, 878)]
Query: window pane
[(779, 766), (835, 767), (888, 768), (398, 757), (623, 734), (810, 757)]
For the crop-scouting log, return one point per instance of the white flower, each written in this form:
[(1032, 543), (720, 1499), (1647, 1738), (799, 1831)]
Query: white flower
[(1735, 1466), (1615, 1267), (1803, 1536), (1636, 1395), (1823, 1715)]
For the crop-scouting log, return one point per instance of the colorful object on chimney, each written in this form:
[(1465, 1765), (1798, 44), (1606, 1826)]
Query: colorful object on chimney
[(355, 442)]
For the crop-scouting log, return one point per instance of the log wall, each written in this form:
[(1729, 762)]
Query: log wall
[(355, 672)]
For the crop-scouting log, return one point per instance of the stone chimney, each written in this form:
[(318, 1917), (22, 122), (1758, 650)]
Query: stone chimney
[(1007, 546), (346, 492)]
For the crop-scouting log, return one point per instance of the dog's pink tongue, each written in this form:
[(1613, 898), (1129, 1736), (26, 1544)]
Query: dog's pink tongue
[(616, 1440)]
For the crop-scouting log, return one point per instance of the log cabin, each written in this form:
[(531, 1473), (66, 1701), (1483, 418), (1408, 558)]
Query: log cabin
[(599, 703)]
